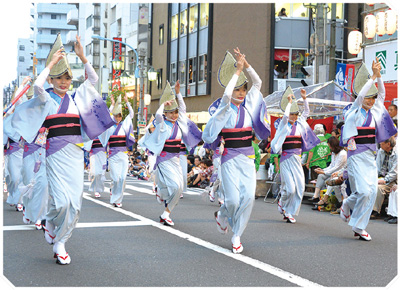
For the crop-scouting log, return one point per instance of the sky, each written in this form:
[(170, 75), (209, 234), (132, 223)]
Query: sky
[(15, 23)]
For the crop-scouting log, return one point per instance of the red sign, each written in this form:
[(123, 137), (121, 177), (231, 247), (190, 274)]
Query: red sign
[(117, 51), (145, 113), (281, 54)]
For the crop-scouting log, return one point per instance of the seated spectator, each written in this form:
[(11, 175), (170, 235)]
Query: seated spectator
[(339, 159), (386, 162), (318, 156), (202, 179), (392, 110), (336, 133), (192, 175), (392, 207), (190, 161)]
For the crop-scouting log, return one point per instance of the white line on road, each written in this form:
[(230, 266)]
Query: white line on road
[(83, 225), (292, 278)]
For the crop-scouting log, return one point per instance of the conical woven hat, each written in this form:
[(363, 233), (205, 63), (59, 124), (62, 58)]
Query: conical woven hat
[(284, 101), (62, 66), (361, 78), (227, 69), (117, 107), (29, 93), (168, 95)]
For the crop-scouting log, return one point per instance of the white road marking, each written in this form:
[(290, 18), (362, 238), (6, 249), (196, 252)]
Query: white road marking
[(292, 278)]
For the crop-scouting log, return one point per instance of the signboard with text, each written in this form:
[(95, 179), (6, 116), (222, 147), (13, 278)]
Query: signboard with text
[(117, 51)]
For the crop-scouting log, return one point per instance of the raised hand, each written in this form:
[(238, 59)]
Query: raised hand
[(177, 87), (78, 48), (57, 56), (290, 98), (303, 94), (112, 101)]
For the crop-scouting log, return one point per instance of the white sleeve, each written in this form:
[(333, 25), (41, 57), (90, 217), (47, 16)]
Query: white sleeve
[(92, 75), (131, 113), (39, 85), (181, 103), (254, 78)]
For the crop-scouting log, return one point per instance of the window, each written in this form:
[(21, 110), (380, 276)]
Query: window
[(54, 31), (159, 79), (204, 14), (298, 61), (22, 47), (182, 71), (161, 34), (280, 6), (174, 27), (21, 59), (53, 16), (89, 21), (183, 25), (88, 49), (192, 70), (339, 11), (173, 73), (193, 19), (203, 68)]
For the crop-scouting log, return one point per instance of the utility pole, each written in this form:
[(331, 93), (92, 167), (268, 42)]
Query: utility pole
[(332, 47), (319, 42)]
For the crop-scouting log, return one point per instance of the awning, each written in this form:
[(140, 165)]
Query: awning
[(281, 54)]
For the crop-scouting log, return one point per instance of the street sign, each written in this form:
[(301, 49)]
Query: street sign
[(142, 124)]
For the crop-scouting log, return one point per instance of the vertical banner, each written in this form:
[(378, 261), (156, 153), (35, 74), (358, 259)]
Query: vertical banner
[(344, 79), (350, 73), (117, 51)]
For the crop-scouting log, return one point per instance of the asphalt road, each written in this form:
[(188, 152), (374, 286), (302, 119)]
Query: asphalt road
[(128, 247)]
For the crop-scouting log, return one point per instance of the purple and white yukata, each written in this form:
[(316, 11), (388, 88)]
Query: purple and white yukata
[(365, 129)]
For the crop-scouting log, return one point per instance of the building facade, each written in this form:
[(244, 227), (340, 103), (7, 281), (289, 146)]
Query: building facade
[(25, 58)]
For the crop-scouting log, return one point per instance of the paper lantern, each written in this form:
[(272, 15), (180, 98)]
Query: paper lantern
[(380, 23), (354, 42), (369, 26), (390, 22)]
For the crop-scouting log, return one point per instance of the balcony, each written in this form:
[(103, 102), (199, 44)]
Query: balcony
[(54, 23), (32, 12), (59, 8), (71, 37), (45, 39), (73, 17)]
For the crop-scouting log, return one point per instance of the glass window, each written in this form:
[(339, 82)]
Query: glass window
[(53, 16), (53, 32), (183, 25), (204, 14), (192, 70), (282, 9), (174, 27), (299, 10), (88, 49), (22, 47), (193, 19), (21, 59), (298, 60), (159, 79), (161, 34), (89, 21), (203, 68), (173, 73), (182, 71)]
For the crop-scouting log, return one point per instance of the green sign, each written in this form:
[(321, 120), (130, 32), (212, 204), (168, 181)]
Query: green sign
[(142, 124), (381, 55)]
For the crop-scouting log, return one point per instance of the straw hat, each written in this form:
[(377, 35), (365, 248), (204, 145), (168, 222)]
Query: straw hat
[(284, 101), (227, 69), (117, 107), (168, 95), (62, 66), (362, 76)]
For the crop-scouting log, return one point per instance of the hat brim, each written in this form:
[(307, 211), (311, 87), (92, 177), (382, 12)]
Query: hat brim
[(227, 69), (361, 78), (294, 109)]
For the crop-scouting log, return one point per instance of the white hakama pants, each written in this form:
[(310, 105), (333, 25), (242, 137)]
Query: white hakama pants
[(14, 177), (363, 178), (65, 173), (169, 181), (292, 185), (36, 202), (183, 161), (118, 165), (97, 172), (238, 182)]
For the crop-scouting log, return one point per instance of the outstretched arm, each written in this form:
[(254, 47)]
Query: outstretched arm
[(92, 75)]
